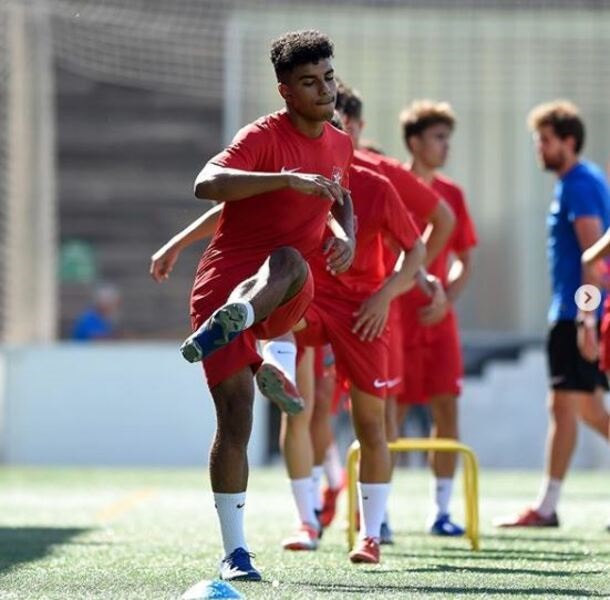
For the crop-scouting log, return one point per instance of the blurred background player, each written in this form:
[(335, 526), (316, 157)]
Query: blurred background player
[(426, 206), (578, 215), (326, 458), (278, 180), (101, 320), (434, 367)]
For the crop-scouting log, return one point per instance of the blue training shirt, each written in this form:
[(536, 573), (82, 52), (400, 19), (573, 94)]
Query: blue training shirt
[(91, 325), (581, 192)]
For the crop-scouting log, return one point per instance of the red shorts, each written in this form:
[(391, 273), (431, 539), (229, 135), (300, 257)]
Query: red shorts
[(241, 352), (365, 364), (435, 368), (604, 350), (396, 358)]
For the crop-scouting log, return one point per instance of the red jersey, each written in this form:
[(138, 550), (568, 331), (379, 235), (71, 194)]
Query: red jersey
[(418, 198), (462, 238), (464, 234), (250, 229), (378, 214)]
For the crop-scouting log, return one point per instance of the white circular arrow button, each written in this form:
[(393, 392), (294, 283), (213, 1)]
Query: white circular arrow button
[(588, 297)]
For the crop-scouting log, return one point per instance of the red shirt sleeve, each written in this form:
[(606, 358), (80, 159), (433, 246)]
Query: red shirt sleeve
[(465, 236), (418, 198), (397, 224), (249, 150)]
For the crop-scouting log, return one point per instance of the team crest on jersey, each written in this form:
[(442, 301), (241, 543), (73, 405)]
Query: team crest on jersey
[(337, 174)]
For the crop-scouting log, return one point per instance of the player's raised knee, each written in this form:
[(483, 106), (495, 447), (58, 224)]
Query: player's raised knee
[(288, 259)]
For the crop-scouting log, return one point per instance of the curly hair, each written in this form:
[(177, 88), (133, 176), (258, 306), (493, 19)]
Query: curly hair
[(297, 48), (421, 114), (563, 116), (349, 101)]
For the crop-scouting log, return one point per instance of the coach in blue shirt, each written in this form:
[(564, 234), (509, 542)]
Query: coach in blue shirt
[(578, 215)]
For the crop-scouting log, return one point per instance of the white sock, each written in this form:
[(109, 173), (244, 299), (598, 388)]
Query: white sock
[(316, 476), (372, 499), (441, 494), (303, 497), (283, 355), (333, 468), (230, 509), (249, 312), (548, 497)]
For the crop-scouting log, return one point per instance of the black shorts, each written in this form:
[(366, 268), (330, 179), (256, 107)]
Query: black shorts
[(568, 370)]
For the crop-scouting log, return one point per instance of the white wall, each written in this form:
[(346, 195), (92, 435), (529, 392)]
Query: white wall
[(503, 416), (108, 404), (141, 404)]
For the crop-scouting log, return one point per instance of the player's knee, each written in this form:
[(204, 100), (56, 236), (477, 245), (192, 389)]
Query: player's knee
[(589, 413), (445, 417), (290, 260), (371, 433), (562, 412)]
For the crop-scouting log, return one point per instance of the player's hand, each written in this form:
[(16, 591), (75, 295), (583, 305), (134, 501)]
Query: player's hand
[(162, 262), (316, 185), (339, 254), (588, 343), (437, 309), (372, 317)]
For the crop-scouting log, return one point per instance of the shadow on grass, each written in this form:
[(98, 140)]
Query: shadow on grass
[(527, 537), (355, 588), (495, 555), (26, 544), (484, 570)]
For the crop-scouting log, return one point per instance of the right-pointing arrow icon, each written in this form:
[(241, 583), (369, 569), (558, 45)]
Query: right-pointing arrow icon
[(588, 297)]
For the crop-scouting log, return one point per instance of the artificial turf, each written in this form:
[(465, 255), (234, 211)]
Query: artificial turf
[(67, 533)]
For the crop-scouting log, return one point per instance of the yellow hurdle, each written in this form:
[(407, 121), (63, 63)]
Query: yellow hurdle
[(471, 480)]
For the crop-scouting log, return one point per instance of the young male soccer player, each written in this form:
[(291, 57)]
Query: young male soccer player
[(278, 180), (433, 358), (426, 206), (578, 214), (350, 311)]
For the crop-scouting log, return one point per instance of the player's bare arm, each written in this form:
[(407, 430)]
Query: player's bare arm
[(588, 231), (459, 275), (600, 249), (222, 184), (372, 316), (163, 260), (340, 248), (441, 225)]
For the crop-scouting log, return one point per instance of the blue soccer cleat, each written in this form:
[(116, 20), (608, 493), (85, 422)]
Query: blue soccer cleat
[(217, 331), (444, 526), (237, 566)]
